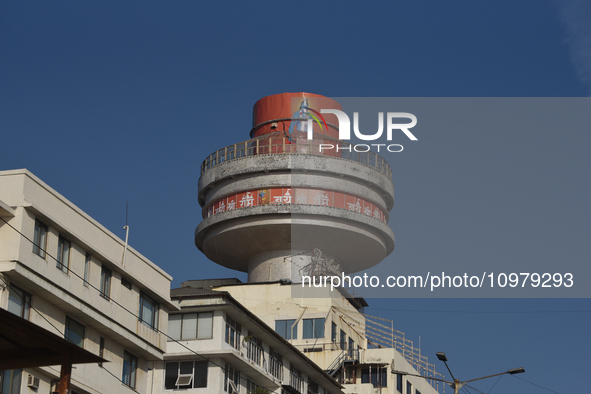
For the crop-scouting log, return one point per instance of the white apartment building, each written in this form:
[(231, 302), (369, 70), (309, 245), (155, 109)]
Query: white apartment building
[(63, 271), (358, 350), (222, 347)]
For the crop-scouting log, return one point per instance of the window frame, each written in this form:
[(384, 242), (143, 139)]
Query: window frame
[(195, 364), (293, 334), (15, 376), (315, 324), (131, 379), (233, 333), (408, 387), (63, 256), (333, 332), (153, 324), (182, 319), (25, 300), (40, 238), (230, 370), (377, 376), (101, 350), (399, 383), (87, 260), (125, 283), (105, 288), (70, 322)]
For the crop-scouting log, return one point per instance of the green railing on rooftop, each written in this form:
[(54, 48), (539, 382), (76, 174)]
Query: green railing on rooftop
[(281, 143)]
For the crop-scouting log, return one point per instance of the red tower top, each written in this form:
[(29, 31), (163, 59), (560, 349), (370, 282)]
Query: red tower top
[(274, 113)]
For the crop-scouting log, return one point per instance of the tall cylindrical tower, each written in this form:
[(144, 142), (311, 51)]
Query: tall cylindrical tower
[(280, 205)]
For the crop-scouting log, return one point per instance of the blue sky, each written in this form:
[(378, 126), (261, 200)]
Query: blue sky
[(109, 102)]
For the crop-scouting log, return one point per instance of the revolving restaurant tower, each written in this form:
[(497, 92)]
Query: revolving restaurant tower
[(280, 205)]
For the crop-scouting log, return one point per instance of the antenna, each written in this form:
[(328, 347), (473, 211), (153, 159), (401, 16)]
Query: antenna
[(126, 228)]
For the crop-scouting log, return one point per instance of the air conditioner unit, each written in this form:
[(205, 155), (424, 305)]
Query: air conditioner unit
[(33, 382)]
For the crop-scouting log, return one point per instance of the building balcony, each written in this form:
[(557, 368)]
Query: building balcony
[(282, 143)]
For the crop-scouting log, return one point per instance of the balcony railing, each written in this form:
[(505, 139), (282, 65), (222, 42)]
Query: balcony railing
[(295, 381), (276, 368), (282, 143), (254, 353)]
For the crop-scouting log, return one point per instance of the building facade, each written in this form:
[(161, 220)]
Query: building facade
[(63, 271), (219, 346), (359, 351)]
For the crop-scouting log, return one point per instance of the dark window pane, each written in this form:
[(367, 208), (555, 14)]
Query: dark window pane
[(308, 329), (200, 378), (40, 239), (170, 375), (105, 282), (74, 332), (148, 311), (319, 328), (365, 375), (129, 369)]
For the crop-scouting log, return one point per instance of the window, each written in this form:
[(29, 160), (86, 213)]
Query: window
[(231, 380), (19, 302), (10, 381), (101, 350), (74, 332), (408, 387), (417, 392), (185, 375), (333, 332), (399, 383), (125, 283), (251, 386), (343, 342), (312, 387), (63, 254), (40, 239), (129, 368), (233, 330), (105, 282), (284, 328), (148, 311), (86, 269), (187, 326), (377, 376), (313, 328)]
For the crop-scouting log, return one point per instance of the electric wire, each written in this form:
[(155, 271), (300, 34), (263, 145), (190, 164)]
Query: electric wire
[(466, 389), (493, 386), (537, 385), (474, 388)]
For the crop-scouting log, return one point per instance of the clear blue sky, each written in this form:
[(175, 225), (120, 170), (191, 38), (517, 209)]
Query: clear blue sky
[(109, 102)]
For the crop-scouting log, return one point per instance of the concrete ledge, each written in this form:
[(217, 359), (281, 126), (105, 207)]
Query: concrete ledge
[(249, 168), (233, 238)]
